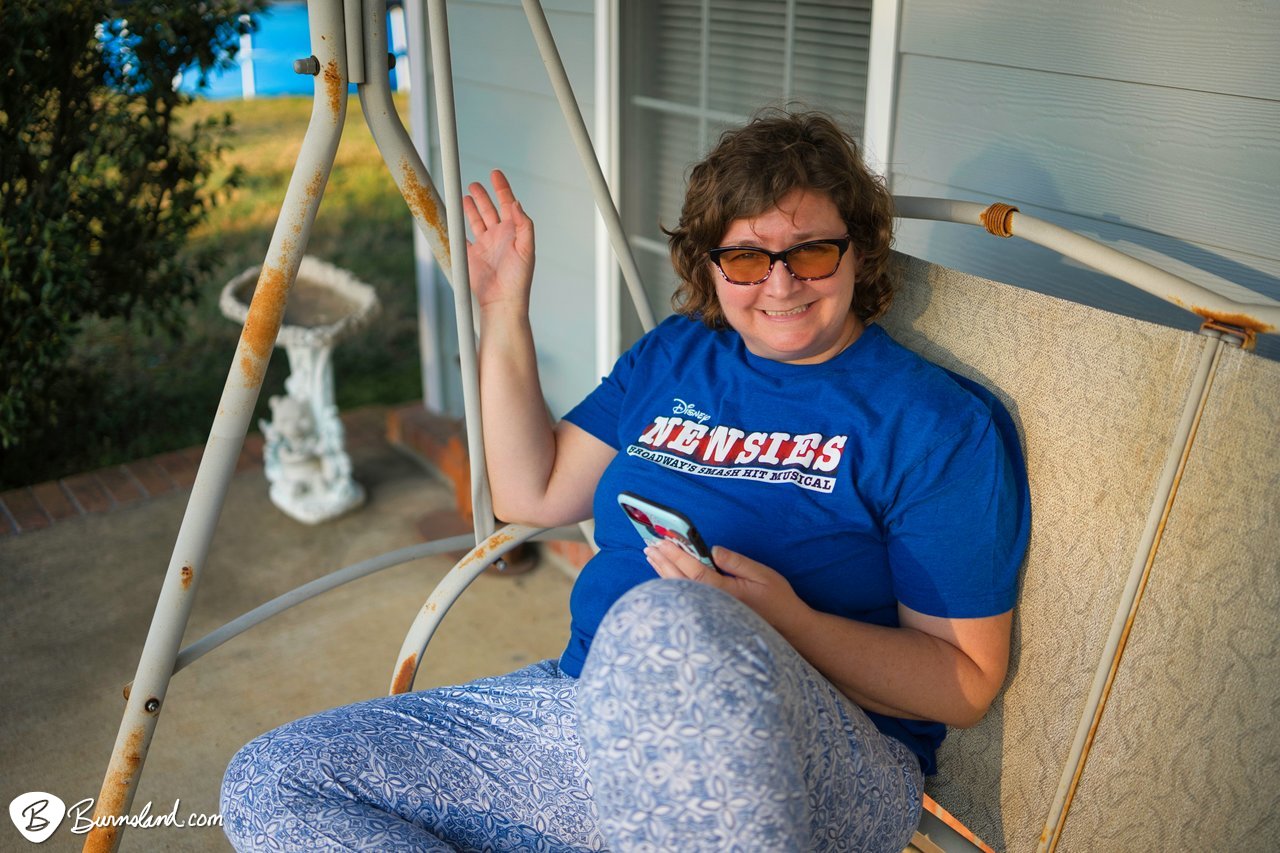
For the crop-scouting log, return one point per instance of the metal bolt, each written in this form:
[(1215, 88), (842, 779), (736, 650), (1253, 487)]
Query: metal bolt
[(310, 65), (153, 705)]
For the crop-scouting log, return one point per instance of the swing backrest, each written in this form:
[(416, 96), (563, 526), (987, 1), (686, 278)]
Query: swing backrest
[(1194, 705), (1188, 752)]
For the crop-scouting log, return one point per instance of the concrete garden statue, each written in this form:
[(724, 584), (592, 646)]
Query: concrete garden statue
[(304, 457)]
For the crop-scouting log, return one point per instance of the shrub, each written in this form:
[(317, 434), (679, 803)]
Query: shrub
[(100, 183)]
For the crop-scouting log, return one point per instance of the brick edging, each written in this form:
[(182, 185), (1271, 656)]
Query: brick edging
[(29, 508)]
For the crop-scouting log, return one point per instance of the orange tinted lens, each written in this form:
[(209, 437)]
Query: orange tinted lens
[(817, 260), (744, 265)]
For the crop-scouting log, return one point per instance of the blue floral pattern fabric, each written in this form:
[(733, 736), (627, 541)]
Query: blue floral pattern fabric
[(490, 765), (706, 731), (694, 727)]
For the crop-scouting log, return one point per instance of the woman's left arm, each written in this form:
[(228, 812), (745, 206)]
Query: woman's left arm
[(930, 668)]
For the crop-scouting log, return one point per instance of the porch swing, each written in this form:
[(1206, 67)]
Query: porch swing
[(1152, 578)]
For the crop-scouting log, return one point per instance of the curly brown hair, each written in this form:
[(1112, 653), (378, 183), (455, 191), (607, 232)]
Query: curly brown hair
[(749, 171)]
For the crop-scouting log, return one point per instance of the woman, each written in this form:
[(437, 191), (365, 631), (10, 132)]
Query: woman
[(869, 513)]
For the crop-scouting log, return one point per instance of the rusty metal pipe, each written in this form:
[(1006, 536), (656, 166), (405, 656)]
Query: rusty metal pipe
[(230, 423), (394, 142), (442, 72), (201, 647), (1139, 570), (1255, 317), (446, 593), (312, 589)]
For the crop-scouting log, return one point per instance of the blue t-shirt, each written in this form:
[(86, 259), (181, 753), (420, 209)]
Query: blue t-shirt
[(866, 480)]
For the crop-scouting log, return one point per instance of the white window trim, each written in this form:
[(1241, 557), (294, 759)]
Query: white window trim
[(607, 132), (882, 84)]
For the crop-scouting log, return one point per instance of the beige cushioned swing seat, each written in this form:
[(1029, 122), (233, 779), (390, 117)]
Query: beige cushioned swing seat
[(1186, 751)]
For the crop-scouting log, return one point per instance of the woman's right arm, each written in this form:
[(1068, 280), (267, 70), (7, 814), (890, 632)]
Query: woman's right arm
[(540, 475)]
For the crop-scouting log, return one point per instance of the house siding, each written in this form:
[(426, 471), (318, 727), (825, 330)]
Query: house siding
[(1152, 126), (508, 118)]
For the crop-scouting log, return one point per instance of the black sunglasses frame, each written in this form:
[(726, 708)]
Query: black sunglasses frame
[(841, 243)]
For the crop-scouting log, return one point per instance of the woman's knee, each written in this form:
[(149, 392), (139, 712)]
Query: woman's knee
[(271, 756), (269, 777), (687, 609), (682, 619), (671, 644), (249, 788)]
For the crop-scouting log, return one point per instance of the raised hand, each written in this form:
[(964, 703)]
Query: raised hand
[(500, 254)]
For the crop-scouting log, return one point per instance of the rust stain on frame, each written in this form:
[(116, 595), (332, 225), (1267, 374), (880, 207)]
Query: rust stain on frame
[(404, 675), (333, 87), (315, 187), (1240, 320), (1229, 318), (494, 544), (266, 311), (187, 574), (425, 205), (112, 798), (252, 370)]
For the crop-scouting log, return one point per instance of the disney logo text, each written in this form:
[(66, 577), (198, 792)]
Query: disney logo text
[(683, 408)]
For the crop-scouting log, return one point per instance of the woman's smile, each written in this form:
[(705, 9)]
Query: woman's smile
[(790, 312)]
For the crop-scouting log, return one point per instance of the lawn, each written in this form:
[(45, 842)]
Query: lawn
[(137, 393)]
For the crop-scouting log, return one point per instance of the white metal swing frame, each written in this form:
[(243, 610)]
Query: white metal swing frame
[(348, 42)]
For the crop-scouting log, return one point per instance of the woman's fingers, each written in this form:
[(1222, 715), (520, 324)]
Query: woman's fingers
[(662, 564), (473, 215), (670, 561), (481, 212), (502, 188), (736, 564), (483, 205)]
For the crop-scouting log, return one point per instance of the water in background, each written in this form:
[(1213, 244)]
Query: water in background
[(281, 37)]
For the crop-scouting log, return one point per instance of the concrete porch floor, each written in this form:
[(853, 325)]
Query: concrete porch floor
[(76, 599)]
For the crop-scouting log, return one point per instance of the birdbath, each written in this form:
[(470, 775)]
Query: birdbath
[(305, 456)]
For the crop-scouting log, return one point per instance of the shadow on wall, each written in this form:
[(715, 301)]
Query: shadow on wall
[(1033, 267)]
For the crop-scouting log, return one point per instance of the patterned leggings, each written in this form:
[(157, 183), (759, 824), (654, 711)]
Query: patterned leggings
[(694, 727)]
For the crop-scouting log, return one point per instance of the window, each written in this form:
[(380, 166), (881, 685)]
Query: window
[(692, 68)]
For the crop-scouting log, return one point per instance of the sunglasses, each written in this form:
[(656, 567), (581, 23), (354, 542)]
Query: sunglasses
[(810, 261)]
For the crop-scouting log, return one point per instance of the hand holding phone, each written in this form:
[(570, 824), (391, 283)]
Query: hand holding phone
[(655, 522)]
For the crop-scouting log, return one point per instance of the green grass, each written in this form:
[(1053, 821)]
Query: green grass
[(135, 393)]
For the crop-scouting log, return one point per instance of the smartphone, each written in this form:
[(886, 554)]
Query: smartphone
[(655, 522)]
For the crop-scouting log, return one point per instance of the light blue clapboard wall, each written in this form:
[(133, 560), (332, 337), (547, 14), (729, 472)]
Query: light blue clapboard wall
[(1153, 125), (508, 118)]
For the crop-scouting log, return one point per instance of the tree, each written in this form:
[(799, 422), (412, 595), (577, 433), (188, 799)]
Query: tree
[(100, 182)]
